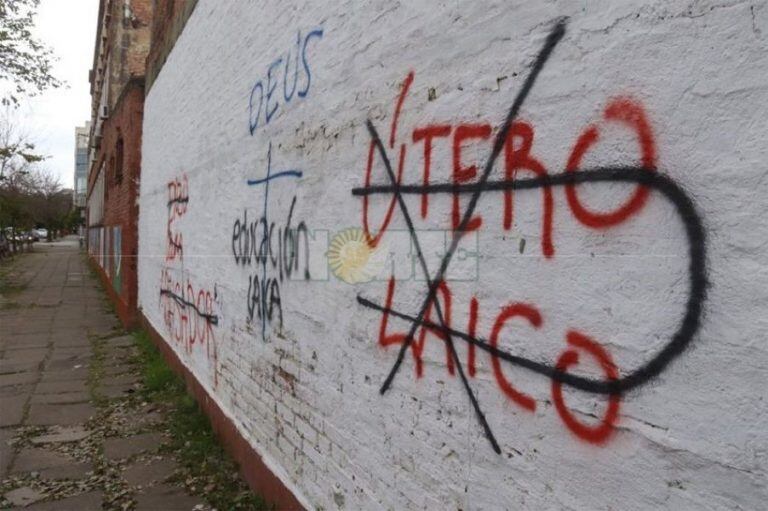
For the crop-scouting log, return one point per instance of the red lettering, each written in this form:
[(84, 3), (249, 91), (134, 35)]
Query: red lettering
[(632, 114), (599, 433), (520, 159), (471, 330), (534, 318), (418, 347), (178, 195), (427, 134), (384, 338), (373, 241), (396, 117), (463, 174), (192, 327)]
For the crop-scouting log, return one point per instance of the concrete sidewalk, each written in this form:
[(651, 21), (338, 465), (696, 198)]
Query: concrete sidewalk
[(71, 435)]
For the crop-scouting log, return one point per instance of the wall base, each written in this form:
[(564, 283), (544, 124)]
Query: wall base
[(125, 313), (258, 476)]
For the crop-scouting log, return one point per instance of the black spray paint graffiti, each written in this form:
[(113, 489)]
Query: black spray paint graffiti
[(275, 249), (190, 311), (255, 242), (645, 177), (178, 198)]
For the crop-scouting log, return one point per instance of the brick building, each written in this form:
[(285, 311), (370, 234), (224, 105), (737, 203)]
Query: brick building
[(117, 99)]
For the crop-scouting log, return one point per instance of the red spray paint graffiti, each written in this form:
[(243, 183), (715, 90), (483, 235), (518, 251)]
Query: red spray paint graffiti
[(530, 316), (189, 312), (178, 198), (515, 139), (518, 156)]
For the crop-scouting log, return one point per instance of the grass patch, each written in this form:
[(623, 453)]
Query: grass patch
[(160, 382), (10, 284), (9, 281), (207, 470)]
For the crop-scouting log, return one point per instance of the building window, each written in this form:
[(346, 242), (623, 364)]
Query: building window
[(119, 161), (109, 170)]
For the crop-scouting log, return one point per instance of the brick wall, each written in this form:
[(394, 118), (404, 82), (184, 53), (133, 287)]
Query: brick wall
[(168, 22), (594, 346), (121, 190), (123, 42)]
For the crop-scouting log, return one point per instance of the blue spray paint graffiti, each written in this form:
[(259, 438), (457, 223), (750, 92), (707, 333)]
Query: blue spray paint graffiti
[(264, 98)]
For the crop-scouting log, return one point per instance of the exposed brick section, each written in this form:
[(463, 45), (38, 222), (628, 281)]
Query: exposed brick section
[(122, 187), (117, 89), (169, 21)]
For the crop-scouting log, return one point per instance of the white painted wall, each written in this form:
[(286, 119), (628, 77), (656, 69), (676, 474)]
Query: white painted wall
[(307, 395)]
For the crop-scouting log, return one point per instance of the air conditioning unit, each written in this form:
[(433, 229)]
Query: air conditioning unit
[(104, 111)]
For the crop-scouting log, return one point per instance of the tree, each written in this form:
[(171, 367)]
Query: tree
[(17, 153), (30, 195), (25, 62), (51, 204), (34, 198)]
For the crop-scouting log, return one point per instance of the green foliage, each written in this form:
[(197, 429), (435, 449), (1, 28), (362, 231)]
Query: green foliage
[(205, 462), (72, 220), (159, 380), (25, 62), (10, 282), (21, 150), (30, 196)]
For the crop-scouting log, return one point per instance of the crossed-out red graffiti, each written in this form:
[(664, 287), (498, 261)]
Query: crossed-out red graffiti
[(189, 311), (178, 198), (518, 157), (519, 313), (515, 141)]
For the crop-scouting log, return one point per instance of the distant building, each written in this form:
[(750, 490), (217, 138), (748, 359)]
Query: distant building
[(114, 160), (82, 136)]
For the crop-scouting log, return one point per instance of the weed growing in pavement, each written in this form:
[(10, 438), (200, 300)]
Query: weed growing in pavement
[(10, 284), (206, 469)]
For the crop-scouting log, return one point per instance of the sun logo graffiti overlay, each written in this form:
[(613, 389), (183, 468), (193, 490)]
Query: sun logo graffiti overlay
[(352, 259)]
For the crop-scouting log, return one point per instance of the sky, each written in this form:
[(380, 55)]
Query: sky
[(68, 27)]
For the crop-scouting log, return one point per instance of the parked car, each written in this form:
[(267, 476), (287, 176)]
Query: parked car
[(42, 233), (12, 235), (17, 236), (33, 235)]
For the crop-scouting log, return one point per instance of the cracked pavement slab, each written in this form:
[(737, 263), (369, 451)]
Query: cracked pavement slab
[(73, 431)]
